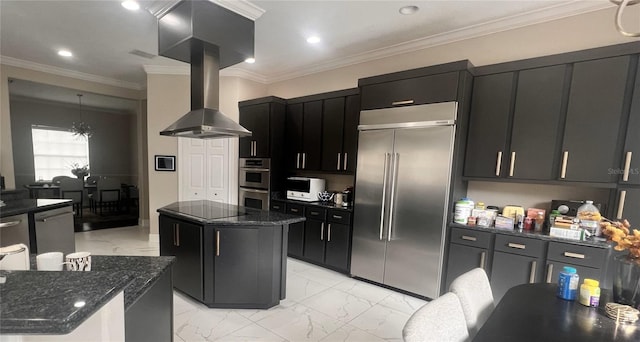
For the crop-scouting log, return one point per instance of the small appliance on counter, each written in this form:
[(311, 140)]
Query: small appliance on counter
[(304, 188)]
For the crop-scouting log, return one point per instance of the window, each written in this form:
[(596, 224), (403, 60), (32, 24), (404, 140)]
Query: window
[(55, 150)]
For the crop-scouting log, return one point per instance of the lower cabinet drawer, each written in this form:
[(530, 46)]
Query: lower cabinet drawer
[(277, 206), (577, 254), (295, 209), (472, 238), (520, 245), (339, 216)]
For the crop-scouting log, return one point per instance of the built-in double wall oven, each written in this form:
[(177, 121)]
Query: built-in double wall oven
[(254, 183)]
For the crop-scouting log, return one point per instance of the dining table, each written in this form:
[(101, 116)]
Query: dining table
[(35, 190), (533, 312)]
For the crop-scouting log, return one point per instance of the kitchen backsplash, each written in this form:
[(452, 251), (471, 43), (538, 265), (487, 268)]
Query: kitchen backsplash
[(531, 195)]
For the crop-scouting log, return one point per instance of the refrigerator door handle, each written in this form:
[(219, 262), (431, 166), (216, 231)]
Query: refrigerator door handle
[(392, 201), (384, 192)]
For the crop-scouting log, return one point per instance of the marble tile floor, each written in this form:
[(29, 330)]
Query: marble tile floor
[(321, 305)]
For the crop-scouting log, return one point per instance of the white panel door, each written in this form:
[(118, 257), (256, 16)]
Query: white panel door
[(204, 169)]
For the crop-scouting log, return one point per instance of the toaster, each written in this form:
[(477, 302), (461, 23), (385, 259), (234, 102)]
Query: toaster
[(512, 211)]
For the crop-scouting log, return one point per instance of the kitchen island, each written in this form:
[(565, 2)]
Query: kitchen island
[(227, 256), (127, 296)]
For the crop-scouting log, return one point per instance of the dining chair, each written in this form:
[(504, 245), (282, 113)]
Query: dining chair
[(107, 195), (474, 291), (73, 188), (92, 180), (441, 319), (57, 179)]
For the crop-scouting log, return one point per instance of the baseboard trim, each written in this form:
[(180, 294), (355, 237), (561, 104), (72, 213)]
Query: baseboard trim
[(143, 222), (154, 237)]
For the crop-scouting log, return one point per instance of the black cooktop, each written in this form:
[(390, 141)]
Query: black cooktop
[(207, 210)]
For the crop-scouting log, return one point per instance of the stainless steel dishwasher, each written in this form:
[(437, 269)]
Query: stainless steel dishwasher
[(54, 231), (14, 229)]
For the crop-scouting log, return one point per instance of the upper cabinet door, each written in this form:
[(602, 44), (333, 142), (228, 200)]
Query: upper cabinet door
[(630, 173), (536, 119), (350, 141), (489, 125), (293, 132), (332, 131), (592, 143), (312, 135), (256, 119), (418, 90)]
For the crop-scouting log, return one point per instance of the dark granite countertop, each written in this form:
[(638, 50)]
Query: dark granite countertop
[(221, 214), (328, 205), (22, 206), (50, 312), (43, 302), (600, 243)]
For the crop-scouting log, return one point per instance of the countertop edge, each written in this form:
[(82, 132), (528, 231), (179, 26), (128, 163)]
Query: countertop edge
[(229, 221)]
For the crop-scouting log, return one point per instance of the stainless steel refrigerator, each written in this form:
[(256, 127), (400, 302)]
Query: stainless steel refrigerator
[(403, 179)]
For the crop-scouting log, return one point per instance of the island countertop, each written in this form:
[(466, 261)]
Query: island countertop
[(222, 214), (21, 206), (41, 302)]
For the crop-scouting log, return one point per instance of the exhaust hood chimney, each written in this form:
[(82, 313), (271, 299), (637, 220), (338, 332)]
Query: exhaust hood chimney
[(209, 38)]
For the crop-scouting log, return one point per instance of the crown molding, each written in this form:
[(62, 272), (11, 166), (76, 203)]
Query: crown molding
[(242, 73), (160, 8), (19, 63), (242, 7), (167, 70), (546, 14)]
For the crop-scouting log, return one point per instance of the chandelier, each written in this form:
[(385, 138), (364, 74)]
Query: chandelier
[(81, 128), (622, 4)]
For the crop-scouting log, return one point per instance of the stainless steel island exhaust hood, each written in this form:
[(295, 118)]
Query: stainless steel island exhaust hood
[(210, 38)]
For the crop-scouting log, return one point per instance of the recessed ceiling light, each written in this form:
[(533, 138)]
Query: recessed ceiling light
[(131, 5), (408, 10), (250, 60), (313, 40), (65, 53)]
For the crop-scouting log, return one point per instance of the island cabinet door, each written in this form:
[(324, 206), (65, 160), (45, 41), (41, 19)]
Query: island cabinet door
[(236, 266), (315, 235), (184, 241)]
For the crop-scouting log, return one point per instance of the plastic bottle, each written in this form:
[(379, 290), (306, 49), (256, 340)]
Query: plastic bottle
[(590, 293), (568, 283), (589, 217), (463, 210), (539, 221)]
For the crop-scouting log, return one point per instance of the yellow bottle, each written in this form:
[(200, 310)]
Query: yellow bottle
[(590, 293)]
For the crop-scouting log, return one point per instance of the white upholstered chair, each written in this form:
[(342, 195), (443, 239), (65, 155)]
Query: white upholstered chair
[(474, 291), (439, 320)]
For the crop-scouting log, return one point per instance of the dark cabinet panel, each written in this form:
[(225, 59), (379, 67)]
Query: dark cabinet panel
[(333, 116), (418, 90), (554, 268), (184, 241), (462, 259), (312, 135), (591, 138), (293, 130), (631, 155), (338, 252), (295, 242), (628, 203), (256, 119), (314, 240), (536, 123), (350, 140), (489, 125), (509, 270), (277, 206), (235, 268)]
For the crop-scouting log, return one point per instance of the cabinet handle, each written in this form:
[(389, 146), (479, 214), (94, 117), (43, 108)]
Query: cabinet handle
[(468, 238), (178, 234), (322, 231), (532, 275), (512, 164), (483, 256), (276, 207), (627, 166), (294, 210), (174, 234), (384, 192), (315, 213), (549, 272), (304, 160), (623, 197), (9, 224), (516, 245), (574, 255), (404, 102), (338, 165), (251, 153), (217, 243), (298, 161), (337, 216), (396, 165), (498, 163), (344, 164), (329, 233), (565, 159), (255, 148)]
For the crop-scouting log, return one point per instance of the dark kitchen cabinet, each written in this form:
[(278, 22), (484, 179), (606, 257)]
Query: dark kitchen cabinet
[(628, 202), (339, 133), (350, 134), (590, 262), (296, 231), (314, 234), (489, 125), (535, 134), (277, 206), (591, 144), (184, 241), (468, 249), (304, 135), (630, 173), (411, 91), (338, 245), (516, 260), (264, 117)]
